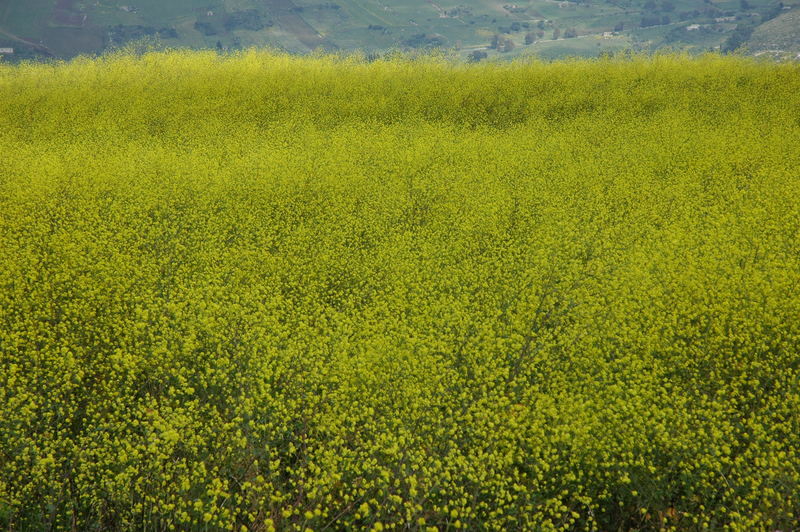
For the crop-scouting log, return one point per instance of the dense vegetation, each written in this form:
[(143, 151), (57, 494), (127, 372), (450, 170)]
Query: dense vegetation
[(260, 292)]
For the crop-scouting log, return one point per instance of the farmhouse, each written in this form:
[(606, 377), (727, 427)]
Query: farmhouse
[(6, 51)]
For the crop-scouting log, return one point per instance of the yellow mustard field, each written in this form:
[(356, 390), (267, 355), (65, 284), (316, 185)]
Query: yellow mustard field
[(257, 292)]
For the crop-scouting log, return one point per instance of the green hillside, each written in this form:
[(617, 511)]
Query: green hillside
[(473, 28), (778, 37)]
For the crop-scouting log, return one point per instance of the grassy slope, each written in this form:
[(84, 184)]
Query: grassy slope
[(259, 291), (347, 25), (781, 34)]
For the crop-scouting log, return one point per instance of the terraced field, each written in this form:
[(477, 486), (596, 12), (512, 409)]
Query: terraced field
[(285, 13)]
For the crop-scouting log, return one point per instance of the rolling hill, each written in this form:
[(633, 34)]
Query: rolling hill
[(474, 29), (779, 36)]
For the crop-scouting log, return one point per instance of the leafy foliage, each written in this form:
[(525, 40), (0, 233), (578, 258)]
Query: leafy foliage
[(259, 292)]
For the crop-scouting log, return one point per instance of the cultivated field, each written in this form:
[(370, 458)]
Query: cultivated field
[(260, 293)]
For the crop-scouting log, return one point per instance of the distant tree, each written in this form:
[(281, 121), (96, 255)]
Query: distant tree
[(570, 33), (739, 37), (507, 46), (494, 42), (422, 40), (516, 26), (540, 34), (619, 26), (219, 46), (477, 55), (744, 5), (120, 34), (650, 20), (205, 28), (540, 24), (556, 33), (665, 20), (529, 37)]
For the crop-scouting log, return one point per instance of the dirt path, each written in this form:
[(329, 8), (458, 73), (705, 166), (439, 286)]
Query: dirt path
[(287, 16), (35, 45)]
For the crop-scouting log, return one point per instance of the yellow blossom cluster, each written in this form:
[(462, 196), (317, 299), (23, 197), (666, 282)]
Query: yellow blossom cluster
[(259, 292)]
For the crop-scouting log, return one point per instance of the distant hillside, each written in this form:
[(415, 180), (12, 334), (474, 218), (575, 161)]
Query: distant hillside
[(473, 29), (779, 36)]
